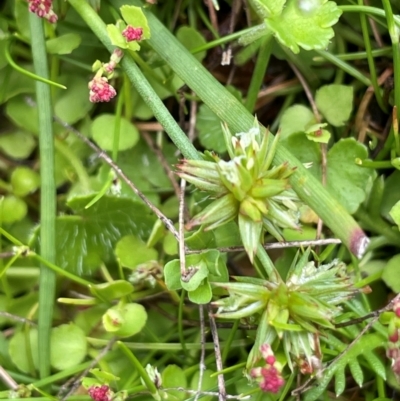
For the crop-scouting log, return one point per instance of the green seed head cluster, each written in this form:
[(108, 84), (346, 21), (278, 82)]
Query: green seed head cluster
[(247, 188), (295, 311)]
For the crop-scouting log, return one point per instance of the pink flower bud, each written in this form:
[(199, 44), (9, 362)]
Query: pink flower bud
[(100, 90), (131, 33), (396, 307), (43, 9), (100, 393)]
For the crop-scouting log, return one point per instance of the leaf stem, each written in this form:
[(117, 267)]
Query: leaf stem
[(47, 280)]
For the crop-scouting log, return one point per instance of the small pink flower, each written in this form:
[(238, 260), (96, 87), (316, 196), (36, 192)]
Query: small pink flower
[(131, 33), (100, 90), (43, 9), (269, 376), (100, 393), (396, 307), (115, 58)]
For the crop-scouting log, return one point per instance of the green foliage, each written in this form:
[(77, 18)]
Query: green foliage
[(117, 268), (306, 23)]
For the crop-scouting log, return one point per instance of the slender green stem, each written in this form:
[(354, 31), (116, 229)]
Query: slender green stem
[(344, 66), (257, 78), (138, 366), (371, 63), (368, 10), (47, 281), (384, 51), (29, 74), (373, 164), (394, 37), (228, 109)]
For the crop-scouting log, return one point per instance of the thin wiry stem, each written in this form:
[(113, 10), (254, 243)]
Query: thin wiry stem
[(218, 359), (202, 366), (275, 245), (182, 254), (7, 379), (104, 156)]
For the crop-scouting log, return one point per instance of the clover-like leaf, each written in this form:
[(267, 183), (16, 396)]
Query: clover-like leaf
[(335, 102), (305, 23), (116, 37), (134, 16)]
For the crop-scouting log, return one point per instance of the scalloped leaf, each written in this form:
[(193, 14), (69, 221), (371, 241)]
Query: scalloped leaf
[(305, 23), (268, 8), (89, 237), (134, 16)]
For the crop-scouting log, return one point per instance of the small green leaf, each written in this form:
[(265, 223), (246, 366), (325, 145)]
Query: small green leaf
[(102, 131), (391, 273), (209, 126), (356, 371), (305, 23), (335, 102), (250, 232), (197, 272), (12, 209), (116, 37), (114, 290), (208, 383), (174, 376), (22, 114), (72, 104), (24, 181), (202, 294), (315, 133), (132, 251), (17, 144), (134, 16), (295, 119), (346, 180), (18, 350), (63, 44), (191, 38), (268, 8), (395, 213), (68, 346), (172, 275), (125, 320)]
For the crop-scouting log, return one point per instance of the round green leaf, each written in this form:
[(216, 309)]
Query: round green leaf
[(18, 350), (116, 37), (68, 346), (335, 102), (125, 320), (24, 181), (102, 130), (172, 275), (391, 273), (174, 376), (23, 115), (295, 119), (395, 213), (191, 38), (207, 383), (18, 144), (196, 273), (202, 294), (12, 209), (73, 104), (132, 251), (135, 17), (64, 44)]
